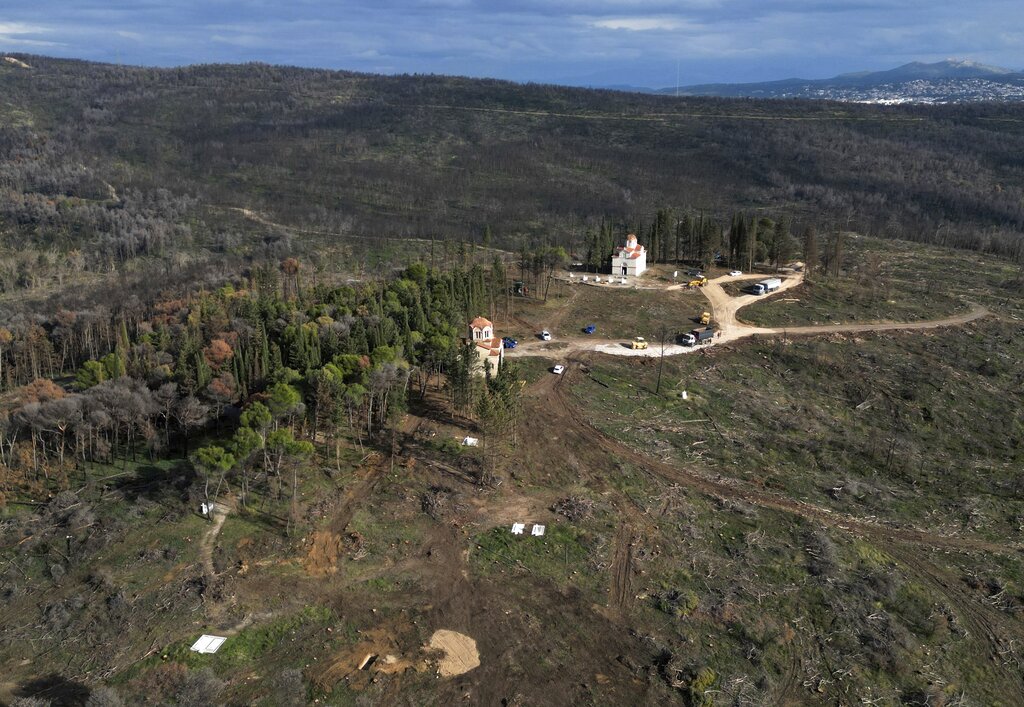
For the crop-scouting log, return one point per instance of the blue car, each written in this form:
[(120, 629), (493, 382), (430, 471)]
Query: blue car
[(589, 328), (509, 342)]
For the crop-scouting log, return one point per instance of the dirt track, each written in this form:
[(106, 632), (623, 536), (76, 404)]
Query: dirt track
[(989, 628), (734, 490), (724, 308)]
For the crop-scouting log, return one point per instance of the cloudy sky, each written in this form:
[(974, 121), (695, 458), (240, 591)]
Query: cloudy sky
[(585, 42)]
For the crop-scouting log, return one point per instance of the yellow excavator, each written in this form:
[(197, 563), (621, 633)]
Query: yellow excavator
[(705, 318)]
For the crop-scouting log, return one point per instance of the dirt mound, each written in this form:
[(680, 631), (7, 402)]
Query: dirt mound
[(378, 651), (460, 653), (322, 557)]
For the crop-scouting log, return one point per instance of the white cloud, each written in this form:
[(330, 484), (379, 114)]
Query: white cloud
[(639, 24), (21, 34), (11, 28)]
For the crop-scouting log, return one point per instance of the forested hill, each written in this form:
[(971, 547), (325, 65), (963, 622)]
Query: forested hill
[(346, 154)]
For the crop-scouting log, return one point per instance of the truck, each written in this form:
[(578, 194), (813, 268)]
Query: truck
[(686, 339), (638, 343), (766, 286), (705, 318), (704, 335)]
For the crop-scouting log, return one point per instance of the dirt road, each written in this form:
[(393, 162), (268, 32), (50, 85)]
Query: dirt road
[(723, 311), (987, 627)]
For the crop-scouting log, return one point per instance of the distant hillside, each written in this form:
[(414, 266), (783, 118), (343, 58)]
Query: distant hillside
[(948, 81), (360, 158)]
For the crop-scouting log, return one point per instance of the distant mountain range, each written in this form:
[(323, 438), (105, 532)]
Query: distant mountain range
[(950, 81)]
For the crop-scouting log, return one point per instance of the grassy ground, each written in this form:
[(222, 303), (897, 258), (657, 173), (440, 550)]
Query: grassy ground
[(912, 429), (888, 281), (617, 313), (920, 427)]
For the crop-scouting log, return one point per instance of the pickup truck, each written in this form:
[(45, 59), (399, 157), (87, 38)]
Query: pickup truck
[(589, 328)]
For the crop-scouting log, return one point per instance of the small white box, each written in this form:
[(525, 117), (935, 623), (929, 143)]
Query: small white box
[(518, 528), (538, 530)]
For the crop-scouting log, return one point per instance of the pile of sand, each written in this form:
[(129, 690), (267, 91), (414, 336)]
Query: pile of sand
[(322, 557), (459, 652)]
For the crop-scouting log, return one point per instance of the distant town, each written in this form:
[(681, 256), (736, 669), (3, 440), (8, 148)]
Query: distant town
[(920, 91)]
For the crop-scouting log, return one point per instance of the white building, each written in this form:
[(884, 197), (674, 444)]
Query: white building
[(489, 348), (630, 259)]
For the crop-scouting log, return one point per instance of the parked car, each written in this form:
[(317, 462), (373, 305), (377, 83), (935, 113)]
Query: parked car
[(695, 273), (558, 369), (509, 342), (589, 328), (545, 335), (735, 273)]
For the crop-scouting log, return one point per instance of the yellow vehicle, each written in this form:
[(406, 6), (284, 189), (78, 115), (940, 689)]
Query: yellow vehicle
[(638, 343), (705, 318), (699, 282)]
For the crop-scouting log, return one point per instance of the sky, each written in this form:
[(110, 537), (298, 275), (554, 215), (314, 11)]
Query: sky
[(578, 42)]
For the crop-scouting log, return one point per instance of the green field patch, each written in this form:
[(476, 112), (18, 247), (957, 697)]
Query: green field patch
[(562, 554)]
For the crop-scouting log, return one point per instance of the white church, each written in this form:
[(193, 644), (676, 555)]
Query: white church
[(630, 259)]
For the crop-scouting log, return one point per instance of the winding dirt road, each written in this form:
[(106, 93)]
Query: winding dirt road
[(723, 309)]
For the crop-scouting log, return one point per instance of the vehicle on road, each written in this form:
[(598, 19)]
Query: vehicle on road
[(765, 286), (508, 342), (686, 339), (735, 273), (545, 335), (698, 282), (589, 328), (638, 343), (558, 370), (703, 336), (705, 318)]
